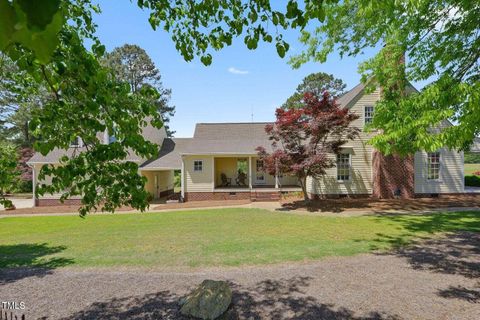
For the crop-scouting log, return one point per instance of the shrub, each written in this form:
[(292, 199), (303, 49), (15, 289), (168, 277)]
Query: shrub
[(23, 186), (150, 197), (472, 181), (177, 181), (471, 157)]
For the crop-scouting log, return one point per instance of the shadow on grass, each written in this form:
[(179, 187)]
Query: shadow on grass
[(270, 299), (27, 260)]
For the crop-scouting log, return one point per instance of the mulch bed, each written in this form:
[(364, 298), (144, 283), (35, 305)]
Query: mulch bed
[(322, 205), (382, 205)]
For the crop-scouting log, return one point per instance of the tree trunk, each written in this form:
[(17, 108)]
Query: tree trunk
[(303, 184)]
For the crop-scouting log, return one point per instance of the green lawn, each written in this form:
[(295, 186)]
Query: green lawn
[(210, 237), (470, 168)]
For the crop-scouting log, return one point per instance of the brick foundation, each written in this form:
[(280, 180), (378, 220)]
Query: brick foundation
[(205, 196), (393, 175), (56, 202), (339, 196), (265, 196)]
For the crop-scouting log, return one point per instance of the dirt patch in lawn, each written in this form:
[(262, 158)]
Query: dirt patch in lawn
[(153, 207), (200, 204), (50, 209), (383, 205)]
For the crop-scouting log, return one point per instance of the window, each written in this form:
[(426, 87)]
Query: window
[(368, 114), (76, 142), (242, 165), (433, 166), (198, 165), (343, 166), (259, 165), (259, 172)]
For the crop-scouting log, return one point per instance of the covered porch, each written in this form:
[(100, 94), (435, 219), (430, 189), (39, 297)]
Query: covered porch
[(245, 173), (160, 182)]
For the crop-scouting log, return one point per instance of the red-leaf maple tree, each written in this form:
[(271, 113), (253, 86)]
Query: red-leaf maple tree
[(305, 140)]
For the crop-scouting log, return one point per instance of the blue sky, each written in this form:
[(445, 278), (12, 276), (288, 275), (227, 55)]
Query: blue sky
[(238, 82)]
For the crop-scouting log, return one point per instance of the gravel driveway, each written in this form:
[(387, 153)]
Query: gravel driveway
[(436, 279)]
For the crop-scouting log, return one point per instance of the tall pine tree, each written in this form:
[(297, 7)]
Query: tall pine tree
[(132, 64)]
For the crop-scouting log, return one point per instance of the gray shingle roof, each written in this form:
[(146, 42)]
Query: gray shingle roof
[(228, 138), (209, 138), (344, 100), (170, 155), (54, 155)]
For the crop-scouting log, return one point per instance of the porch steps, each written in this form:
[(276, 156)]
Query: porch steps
[(265, 196)]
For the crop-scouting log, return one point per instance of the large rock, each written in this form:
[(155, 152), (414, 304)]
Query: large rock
[(209, 301)]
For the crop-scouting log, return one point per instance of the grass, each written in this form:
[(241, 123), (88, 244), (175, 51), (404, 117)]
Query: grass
[(222, 237), (470, 168)]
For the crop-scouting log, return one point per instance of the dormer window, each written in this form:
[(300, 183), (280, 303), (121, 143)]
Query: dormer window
[(112, 137), (368, 116), (76, 143)]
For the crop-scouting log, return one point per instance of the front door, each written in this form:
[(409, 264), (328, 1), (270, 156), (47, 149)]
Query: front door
[(259, 173)]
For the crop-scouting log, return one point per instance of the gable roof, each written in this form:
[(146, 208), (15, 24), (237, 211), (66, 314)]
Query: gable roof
[(350, 95), (169, 156), (228, 138)]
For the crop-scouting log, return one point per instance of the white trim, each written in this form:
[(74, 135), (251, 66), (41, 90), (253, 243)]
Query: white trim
[(159, 169)]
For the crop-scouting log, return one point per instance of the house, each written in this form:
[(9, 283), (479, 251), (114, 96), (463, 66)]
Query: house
[(220, 162)]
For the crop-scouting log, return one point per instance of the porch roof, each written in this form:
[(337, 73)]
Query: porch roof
[(228, 138), (225, 147)]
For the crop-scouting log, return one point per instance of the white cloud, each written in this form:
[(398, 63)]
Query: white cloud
[(237, 71)]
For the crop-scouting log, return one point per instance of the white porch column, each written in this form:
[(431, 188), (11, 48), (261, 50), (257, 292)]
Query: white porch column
[(34, 185), (250, 172), (213, 174), (182, 178), (276, 176)]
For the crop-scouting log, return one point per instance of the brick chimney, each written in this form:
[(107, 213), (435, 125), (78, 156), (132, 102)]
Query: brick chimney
[(393, 176)]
